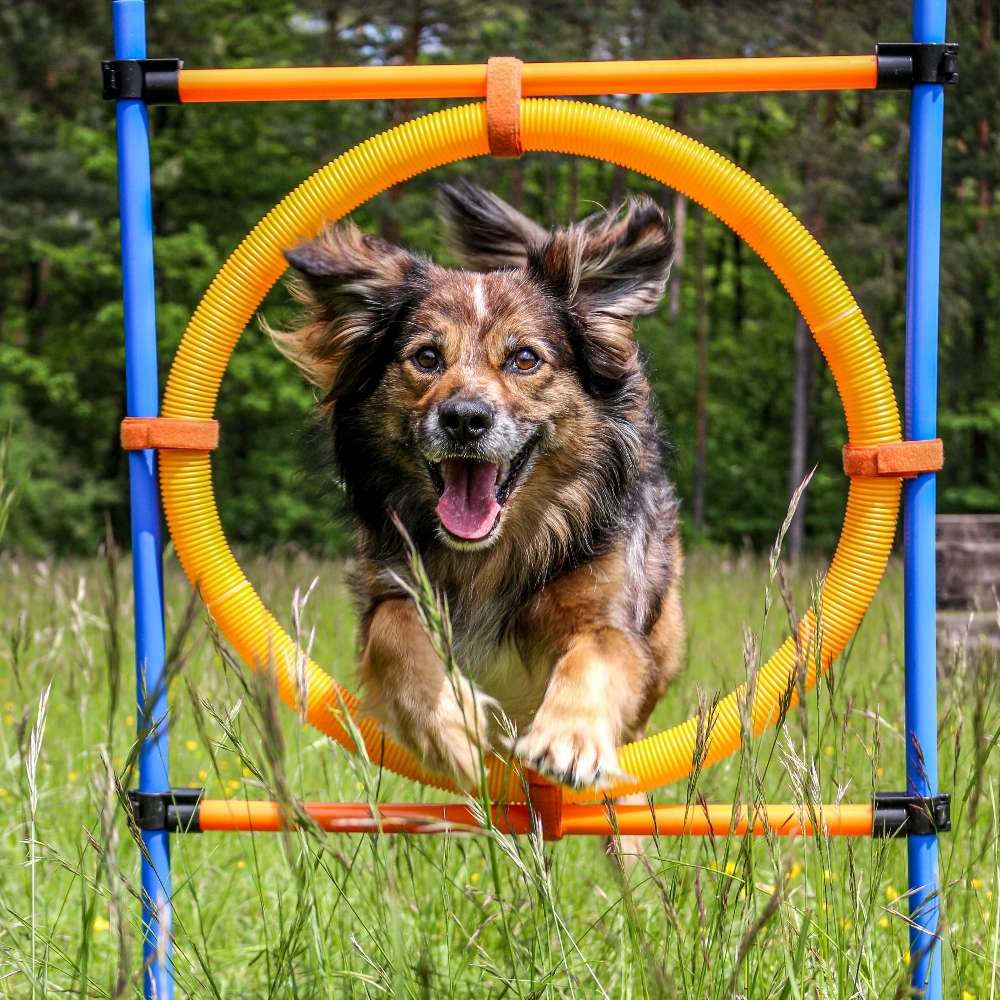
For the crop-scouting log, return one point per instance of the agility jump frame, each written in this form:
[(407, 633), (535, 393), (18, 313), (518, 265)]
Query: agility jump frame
[(924, 66)]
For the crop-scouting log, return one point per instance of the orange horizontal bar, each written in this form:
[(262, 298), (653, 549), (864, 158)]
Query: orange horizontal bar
[(656, 76), (665, 820)]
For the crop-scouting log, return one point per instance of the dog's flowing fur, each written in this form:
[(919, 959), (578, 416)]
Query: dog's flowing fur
[(566, 614)]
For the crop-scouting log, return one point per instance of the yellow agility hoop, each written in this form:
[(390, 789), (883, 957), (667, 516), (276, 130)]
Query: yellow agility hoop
[(648, 148)]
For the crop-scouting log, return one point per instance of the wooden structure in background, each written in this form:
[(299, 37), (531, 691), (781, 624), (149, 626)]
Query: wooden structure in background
[(968, 579)]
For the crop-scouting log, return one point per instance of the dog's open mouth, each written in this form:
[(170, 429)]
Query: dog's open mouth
[(473, 493)]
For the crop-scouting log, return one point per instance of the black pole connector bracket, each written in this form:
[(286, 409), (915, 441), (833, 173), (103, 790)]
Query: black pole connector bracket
[(903, 64), (155, 81), (896, 814), (175, 811)]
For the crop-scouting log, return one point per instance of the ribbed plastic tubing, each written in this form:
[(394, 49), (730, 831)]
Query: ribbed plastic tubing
[(646, 147)]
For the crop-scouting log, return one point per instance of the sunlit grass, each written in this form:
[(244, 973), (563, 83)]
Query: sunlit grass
[(308, 914)]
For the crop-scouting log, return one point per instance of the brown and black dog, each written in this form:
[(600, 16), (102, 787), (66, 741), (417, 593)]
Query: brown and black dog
[(503, 414)]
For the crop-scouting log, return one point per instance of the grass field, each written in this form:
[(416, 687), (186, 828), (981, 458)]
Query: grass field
[(310, 915)]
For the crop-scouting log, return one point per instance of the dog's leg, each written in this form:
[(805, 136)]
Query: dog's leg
[(594, 695), (443, 719)]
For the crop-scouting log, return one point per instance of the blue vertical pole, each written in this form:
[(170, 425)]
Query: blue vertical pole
[(919, 497), (142, 392)]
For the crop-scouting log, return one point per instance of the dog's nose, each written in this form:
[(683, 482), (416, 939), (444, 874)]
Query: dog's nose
[(465, 420)]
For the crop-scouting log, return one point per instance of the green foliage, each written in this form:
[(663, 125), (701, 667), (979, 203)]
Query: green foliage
[(838, 160)]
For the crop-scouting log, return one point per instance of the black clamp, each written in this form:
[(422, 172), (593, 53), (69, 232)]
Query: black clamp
[(174, 811), (897, 814), (903, 64), (155, 81)]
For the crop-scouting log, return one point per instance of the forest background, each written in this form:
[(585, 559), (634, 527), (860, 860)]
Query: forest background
[(744, 396)]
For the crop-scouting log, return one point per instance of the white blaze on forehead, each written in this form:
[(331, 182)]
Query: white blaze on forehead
[(479, 298)]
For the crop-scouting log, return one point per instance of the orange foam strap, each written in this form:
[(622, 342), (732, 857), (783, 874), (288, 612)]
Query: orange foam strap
[(138, 433), (903, 459), (503, 106)]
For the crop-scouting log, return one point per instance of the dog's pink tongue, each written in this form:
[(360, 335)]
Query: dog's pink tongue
[(468, 507)]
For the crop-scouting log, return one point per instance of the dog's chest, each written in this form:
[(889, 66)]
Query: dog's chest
[(518, 686)]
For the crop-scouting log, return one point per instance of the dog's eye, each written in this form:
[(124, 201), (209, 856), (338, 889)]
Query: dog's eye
[(427, 358), (525, 360)]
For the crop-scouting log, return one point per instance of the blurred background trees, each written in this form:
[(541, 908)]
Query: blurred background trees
[(744, 397)]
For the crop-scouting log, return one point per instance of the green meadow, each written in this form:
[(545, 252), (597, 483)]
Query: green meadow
[(307, 914)]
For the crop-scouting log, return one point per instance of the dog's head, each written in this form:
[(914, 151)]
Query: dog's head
[(473, 397)]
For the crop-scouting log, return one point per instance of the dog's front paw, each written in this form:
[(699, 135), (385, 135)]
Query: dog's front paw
[(571, 750), (457, 734)]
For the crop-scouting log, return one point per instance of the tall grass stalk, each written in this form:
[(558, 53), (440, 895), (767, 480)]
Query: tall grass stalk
[(35, 738)]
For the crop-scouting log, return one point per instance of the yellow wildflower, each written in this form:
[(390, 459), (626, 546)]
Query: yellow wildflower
[(976, 883), (847, 923), (883, 922), (232, 785), (4, 793), (100, 925), (247, 773), (8, 719), (829, 876), (241, 865), (203, 775), (72, 776), (891, 894), (730, 867), (474, 877), (191, 745), (795, 871), (966, 995), (828, 750)]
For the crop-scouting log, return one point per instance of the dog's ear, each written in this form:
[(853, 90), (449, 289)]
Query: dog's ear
[(607, 270), (486, 232), (356, 289)]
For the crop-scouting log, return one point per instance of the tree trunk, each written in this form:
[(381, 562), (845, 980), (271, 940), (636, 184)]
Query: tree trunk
[(984, 199), (803, 349), (701, 413), (574, 189), (680, 214), (36, 301), (803, 352), (739, 291), (331, 40), (401, 110), (516, 196), (550, 207), (619, 173)]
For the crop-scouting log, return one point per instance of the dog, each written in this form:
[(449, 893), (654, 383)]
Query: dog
[(502, 414)]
